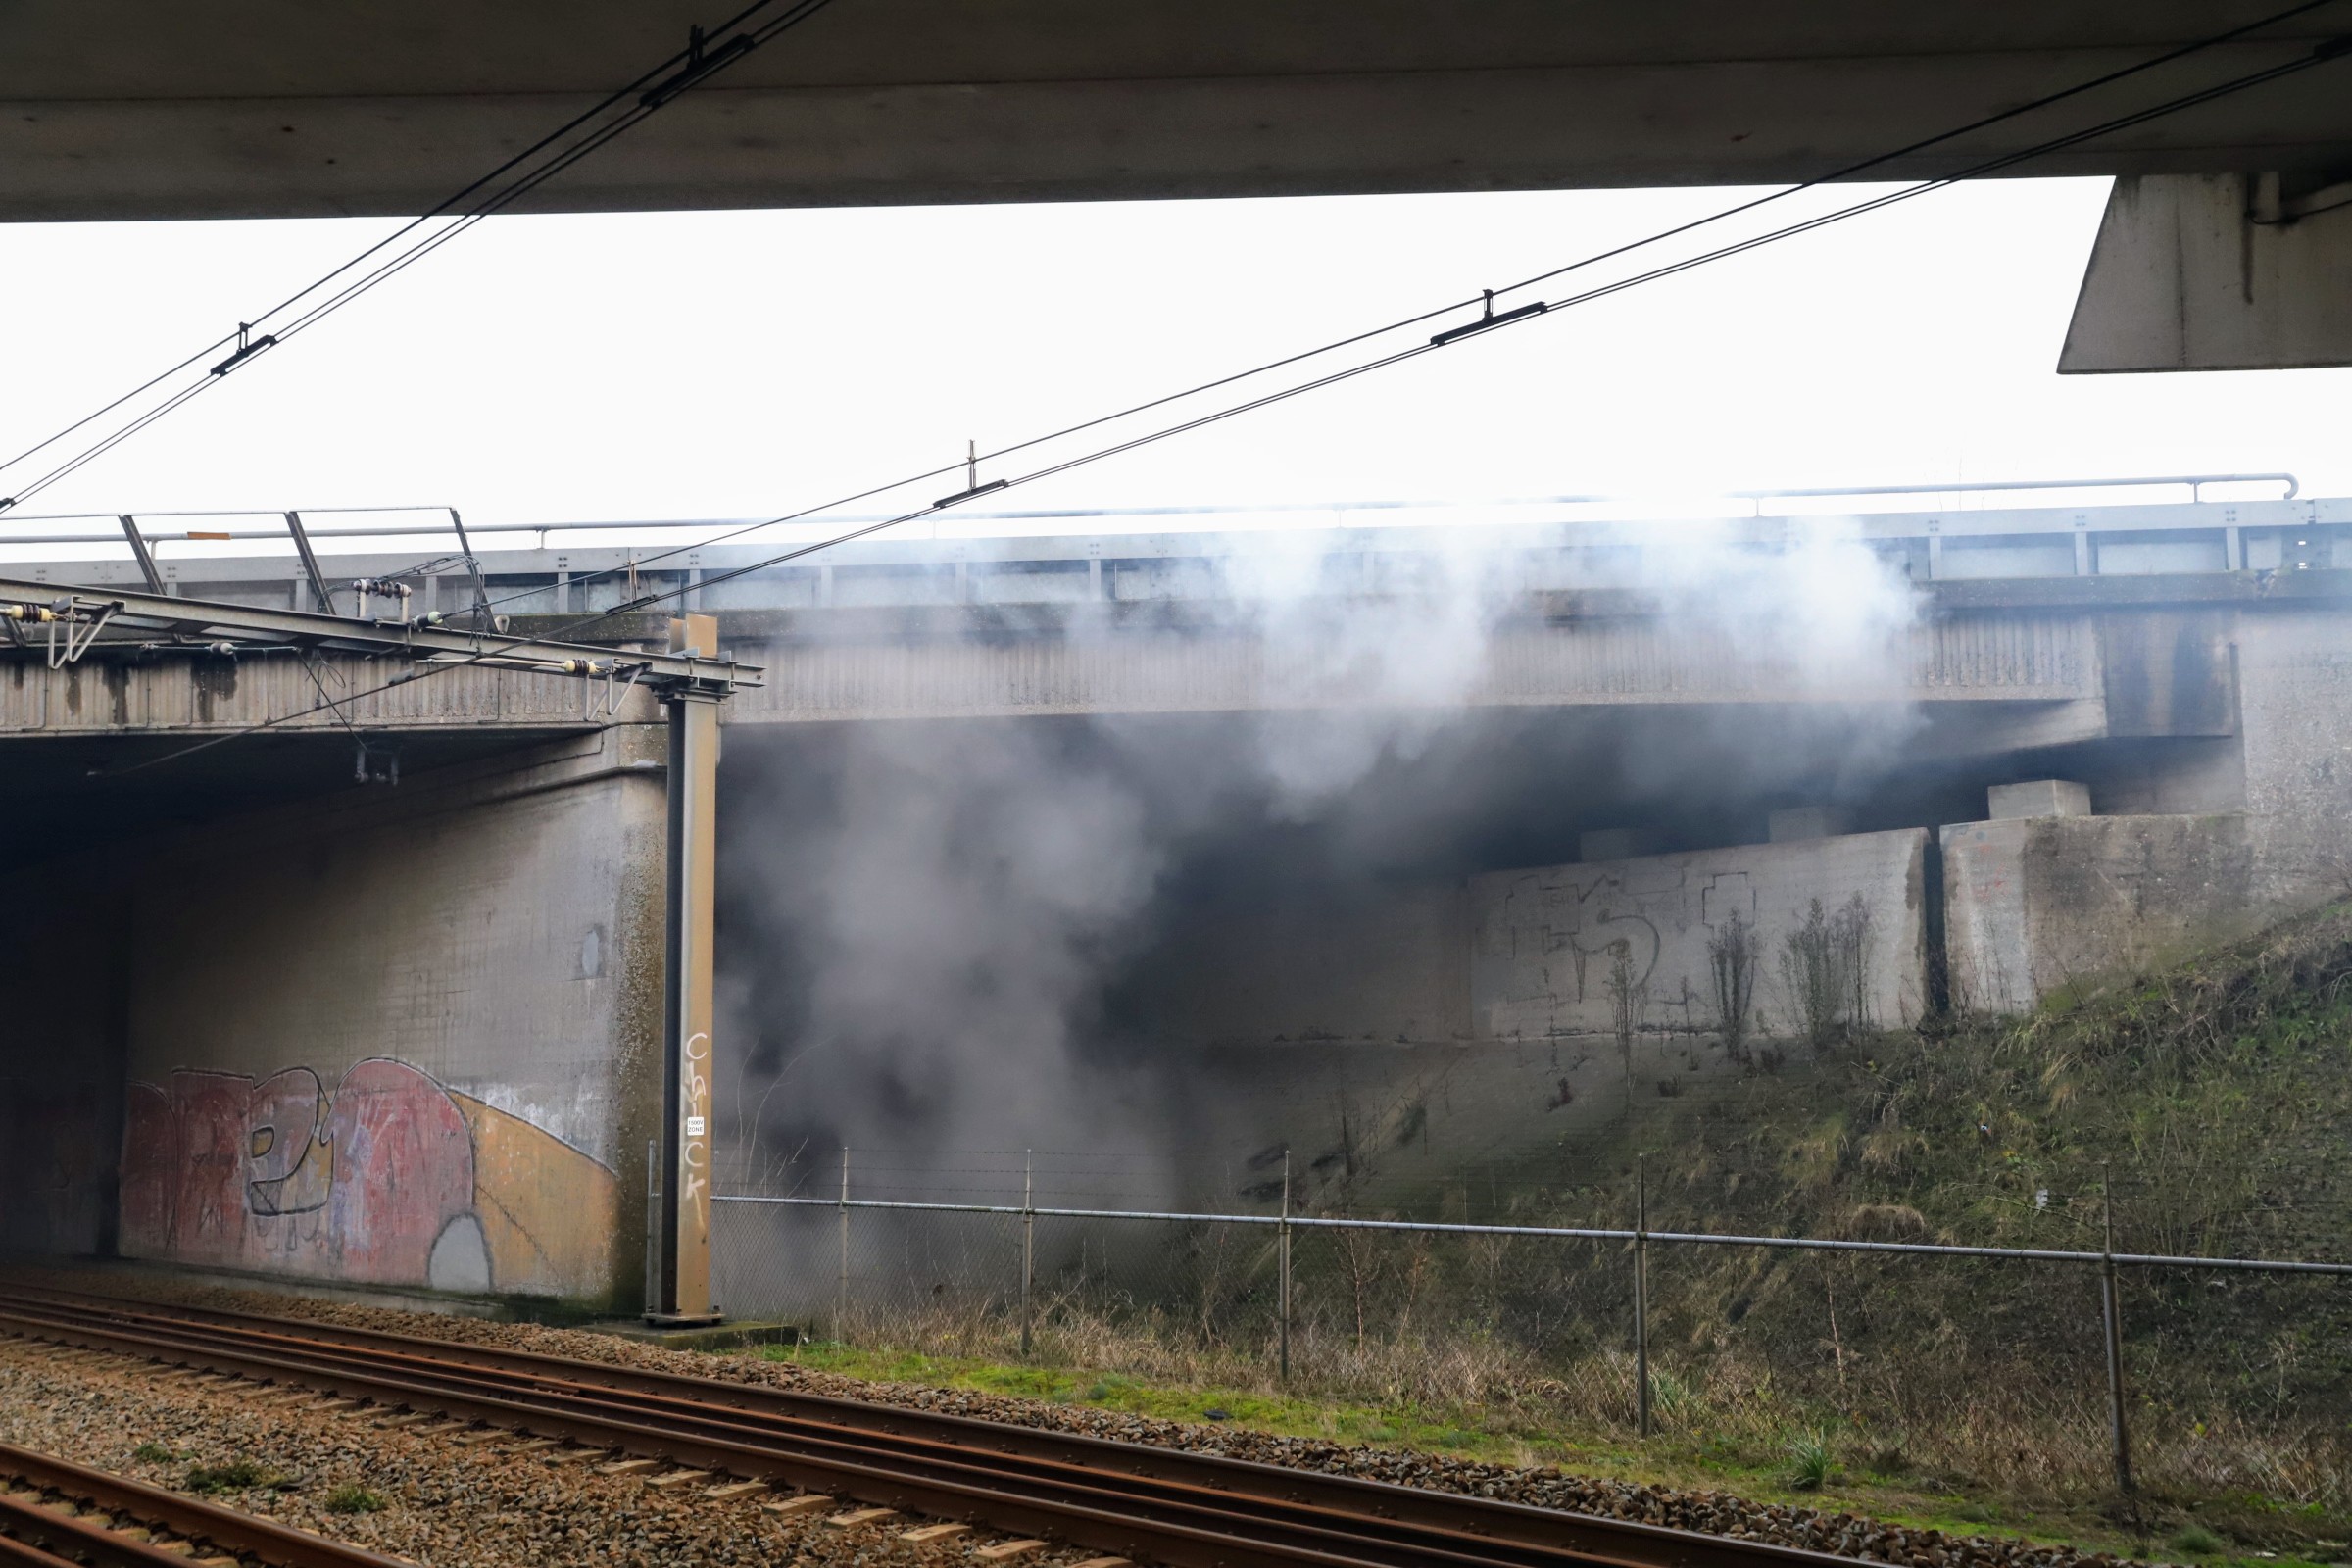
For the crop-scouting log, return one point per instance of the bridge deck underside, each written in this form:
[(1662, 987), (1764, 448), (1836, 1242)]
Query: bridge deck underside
[(1999, 658), (269, 108)]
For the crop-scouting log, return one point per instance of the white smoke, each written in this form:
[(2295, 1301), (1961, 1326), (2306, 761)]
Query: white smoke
[(928, 911)]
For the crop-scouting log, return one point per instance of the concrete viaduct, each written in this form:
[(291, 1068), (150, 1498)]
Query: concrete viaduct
[(2120, 738), (235, 975), (2220, 249)]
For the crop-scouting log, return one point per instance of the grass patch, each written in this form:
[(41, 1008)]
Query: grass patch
[(352, 1498), (2195, 1541), (239, 1475), (152, 1453), (1810, 1462)]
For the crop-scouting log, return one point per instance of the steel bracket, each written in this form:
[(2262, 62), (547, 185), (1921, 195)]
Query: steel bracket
[(66, 645)]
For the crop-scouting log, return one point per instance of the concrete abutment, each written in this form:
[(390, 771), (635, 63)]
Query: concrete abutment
[(408, 1037), (413, 1038)]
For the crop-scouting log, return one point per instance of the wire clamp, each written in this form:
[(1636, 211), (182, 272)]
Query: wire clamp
[(1488, 320), (962, 496), (699, 63), (246, 347)]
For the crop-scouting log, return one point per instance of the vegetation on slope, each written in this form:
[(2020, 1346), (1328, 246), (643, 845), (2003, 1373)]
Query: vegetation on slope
[(2209, 1104)]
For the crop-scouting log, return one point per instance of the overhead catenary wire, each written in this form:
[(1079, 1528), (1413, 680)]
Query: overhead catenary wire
[(612, 116), (2323, 53), (681, 72), (1841, 174)]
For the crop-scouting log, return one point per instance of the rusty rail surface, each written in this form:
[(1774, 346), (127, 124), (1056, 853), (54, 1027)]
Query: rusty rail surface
[(110, 1528), (1189, 1510)]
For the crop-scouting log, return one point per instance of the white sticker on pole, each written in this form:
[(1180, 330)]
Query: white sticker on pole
[(694, 1126)]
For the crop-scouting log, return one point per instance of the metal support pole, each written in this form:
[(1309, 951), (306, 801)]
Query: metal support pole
[(1282, 1250), (840, 1283), (653, 1222), (483, 619), (1028, 1244), (685, 1296), (142, 555), (1642, 1290), (310, 564), (2110, 1314), (324, 602)]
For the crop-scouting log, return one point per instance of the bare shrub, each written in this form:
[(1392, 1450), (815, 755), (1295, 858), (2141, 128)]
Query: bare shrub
[(1733, 950), (1824, 967)]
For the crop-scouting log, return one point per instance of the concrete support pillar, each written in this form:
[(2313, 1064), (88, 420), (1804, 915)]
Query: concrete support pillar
[(682, 1291)]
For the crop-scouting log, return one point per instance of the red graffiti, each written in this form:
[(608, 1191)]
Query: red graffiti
[(373, 1182)]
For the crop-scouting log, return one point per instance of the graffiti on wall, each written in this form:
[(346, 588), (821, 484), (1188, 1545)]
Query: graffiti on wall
[(1625, 945), (386, 1177)]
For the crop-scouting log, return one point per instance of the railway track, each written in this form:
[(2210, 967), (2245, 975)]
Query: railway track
[(55, 1514), (1152, 1504)]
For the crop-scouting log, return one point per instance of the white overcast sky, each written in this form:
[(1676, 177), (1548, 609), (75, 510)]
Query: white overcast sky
[(740, 364)]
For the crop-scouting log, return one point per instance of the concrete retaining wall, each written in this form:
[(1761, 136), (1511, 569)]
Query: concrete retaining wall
[(2036, 904), (1553, 948), (404, 1039)]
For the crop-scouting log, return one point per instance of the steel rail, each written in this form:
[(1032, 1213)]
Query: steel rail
[(1178, 1507), (979, 1495), (1192, 1516), (36, 1533), (1585, 1535)]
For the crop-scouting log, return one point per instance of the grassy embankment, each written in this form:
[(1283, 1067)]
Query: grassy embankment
[(2214, 1097)]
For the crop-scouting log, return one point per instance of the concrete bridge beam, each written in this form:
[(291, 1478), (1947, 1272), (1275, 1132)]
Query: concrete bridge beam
[(2218, 272)]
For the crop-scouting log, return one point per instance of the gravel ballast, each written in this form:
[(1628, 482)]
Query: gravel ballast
[(478, 1505)]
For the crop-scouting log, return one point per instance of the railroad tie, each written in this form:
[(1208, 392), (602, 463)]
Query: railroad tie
[(1103, 1562), (474, 1439), (575, 1456), (930, 1534), (727, 1490), (805, 1502), (677, 1478), (860, 1518), (628, 1467), (1008, 1550)]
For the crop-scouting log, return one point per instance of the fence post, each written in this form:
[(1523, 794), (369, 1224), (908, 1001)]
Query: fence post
[(653, 1222), (1642, 1290), (1283, 1250), (841, 1285), (1028, 1243), (2112, 1320)]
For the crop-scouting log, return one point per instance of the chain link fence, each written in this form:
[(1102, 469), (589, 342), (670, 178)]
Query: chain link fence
[(2070, 1353)]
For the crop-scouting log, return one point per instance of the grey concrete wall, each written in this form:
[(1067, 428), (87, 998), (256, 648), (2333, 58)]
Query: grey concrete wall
[(1547, 941), (2033, 905), (406, 1037), (2295, 689), (61, 1068)]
